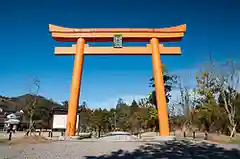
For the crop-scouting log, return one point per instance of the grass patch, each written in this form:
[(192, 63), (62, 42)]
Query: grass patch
[(235, 141), (25, 140), (225, 139), (3, 141)]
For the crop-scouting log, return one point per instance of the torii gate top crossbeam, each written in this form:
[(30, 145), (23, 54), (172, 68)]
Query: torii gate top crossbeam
[(63, 34)]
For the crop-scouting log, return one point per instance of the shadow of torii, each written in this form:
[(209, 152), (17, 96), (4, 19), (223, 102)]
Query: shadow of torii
[(174, 150)]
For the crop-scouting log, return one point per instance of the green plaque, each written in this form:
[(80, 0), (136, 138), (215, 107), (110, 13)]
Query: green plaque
[(117, 41)]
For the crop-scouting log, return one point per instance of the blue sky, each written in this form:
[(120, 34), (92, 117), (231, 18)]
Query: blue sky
[(27, 47)]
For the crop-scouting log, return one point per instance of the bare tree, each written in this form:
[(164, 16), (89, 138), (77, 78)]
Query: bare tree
[(225, 80), (230, 83), (172, 115), (188, 101), (33, 91), (184, 103)]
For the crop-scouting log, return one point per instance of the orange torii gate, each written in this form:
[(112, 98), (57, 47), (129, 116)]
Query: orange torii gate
[(81, 36)]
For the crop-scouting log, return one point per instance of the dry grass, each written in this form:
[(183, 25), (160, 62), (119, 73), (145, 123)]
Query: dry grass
[(224, 139), (26, 140), (2, 141), (213, 137)]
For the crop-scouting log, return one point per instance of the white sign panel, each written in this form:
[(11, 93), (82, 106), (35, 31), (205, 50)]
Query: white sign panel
[(60, 121)]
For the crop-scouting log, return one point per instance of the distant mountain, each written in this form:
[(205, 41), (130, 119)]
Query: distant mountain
[(13, 104), (10, 105)]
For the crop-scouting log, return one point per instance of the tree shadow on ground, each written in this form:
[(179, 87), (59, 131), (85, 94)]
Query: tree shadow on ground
[(174, 150)]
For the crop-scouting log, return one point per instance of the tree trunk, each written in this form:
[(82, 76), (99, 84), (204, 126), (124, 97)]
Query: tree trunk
[(185, 128), (30, 125), (231, 115), (99, 133), (232, 129)]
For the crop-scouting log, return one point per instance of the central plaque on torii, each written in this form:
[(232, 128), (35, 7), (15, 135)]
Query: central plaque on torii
[(117, 41)]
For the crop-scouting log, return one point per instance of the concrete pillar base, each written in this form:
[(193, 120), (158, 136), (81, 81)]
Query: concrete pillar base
[(165, 138)]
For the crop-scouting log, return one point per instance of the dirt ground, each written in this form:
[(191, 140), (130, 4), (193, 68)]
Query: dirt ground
[(118, 150)]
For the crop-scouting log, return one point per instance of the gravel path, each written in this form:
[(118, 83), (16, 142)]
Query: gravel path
[(115, 150)]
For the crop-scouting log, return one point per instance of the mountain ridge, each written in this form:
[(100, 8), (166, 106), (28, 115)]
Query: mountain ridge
[(21, 102)]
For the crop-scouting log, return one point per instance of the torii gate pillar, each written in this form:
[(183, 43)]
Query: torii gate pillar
[(160, 90), (75, 88), (106, 35)]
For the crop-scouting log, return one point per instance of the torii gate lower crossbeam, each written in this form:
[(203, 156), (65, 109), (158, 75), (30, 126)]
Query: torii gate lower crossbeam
[(81, 36)]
